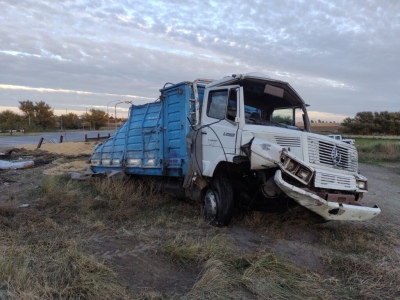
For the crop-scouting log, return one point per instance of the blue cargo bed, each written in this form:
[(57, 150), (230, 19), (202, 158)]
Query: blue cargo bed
[(153, 139)]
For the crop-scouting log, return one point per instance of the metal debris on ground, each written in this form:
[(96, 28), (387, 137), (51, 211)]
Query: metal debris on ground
[(6, 154), (16, 165)]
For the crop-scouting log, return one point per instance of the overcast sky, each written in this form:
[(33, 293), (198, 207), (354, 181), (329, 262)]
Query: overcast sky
[(342, 57)]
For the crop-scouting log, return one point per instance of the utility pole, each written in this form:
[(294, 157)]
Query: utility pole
[(108, 116)]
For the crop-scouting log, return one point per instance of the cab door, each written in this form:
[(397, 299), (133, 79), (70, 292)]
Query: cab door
[(220, 126)]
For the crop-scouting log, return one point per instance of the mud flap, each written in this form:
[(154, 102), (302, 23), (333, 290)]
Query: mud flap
[(326, 209)]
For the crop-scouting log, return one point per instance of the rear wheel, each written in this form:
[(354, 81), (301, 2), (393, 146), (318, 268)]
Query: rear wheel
[(218, 203)]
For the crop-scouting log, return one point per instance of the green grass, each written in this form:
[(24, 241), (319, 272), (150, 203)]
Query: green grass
[(375, 150)]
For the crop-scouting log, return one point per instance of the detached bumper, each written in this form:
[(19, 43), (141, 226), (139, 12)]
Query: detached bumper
[(326, 209)]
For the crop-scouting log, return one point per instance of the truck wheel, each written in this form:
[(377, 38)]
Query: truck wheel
[(218, 202)]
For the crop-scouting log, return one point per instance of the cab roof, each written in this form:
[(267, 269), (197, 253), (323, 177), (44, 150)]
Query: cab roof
[(257, 85)]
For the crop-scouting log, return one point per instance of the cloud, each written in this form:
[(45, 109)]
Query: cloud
[(341, 57), (48, 90)]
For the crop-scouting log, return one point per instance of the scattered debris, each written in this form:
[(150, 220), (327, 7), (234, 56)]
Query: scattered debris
[(6, 154), (115, 174), (79, 176), (16, 165)]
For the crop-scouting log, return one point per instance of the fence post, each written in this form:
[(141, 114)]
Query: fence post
[(86, 138), (40, 143), (98, 136), (61, 139)]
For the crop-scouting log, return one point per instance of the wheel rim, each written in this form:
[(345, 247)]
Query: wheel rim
[(210, 206)]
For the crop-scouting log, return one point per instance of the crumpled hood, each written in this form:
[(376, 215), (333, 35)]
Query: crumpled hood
[(292, 140)]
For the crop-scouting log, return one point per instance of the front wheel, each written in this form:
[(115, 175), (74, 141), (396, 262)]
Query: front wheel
[(218, 202)]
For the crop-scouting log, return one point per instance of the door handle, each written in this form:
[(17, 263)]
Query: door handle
[(204, 132)]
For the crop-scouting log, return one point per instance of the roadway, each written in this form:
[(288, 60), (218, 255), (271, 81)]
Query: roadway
[(18, 139)]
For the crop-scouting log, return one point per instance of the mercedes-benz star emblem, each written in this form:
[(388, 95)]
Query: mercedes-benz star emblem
[(336, 156)]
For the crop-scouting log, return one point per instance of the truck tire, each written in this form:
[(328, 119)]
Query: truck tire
[(218, 204)]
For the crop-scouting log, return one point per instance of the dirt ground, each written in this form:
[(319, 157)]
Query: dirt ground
[(384, 190), (68, 149), (137, 256)]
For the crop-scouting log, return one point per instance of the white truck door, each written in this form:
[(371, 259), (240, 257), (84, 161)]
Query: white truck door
[(220, 126)]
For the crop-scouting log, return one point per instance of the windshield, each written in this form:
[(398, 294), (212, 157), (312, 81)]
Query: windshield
[(263, 114), (272, 106)]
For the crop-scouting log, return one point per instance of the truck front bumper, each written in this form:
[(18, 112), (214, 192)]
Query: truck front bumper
[(326, 209)]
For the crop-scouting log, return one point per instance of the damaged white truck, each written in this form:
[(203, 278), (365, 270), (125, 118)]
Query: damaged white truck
[(234, 143)]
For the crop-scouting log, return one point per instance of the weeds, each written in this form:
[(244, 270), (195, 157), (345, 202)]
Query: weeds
[(42, 254), (272, 278), (378, 150), (356, 239), (42, 260), (56, 269), (45, 253), (367, 279), (185, 248), (123, 199), (228, 274), (219, 280), (261, 275)]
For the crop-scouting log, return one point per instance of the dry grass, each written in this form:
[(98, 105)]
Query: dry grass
[(217, 281), (42, 254), (360, 259), (261, 275), (45, 255), (228, 274), (363, 278), (42, 260), (357, 238), (186, 248), (269, 277), (280, 225), (56, 269)]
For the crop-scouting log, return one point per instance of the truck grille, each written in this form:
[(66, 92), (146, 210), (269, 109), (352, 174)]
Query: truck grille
[(332, 154), (334, 181)]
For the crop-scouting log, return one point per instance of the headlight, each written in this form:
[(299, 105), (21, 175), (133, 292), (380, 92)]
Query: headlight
[(291, 166), (295, 168), (304, 174), (361, 185)]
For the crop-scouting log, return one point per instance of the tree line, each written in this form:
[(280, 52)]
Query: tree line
[(39, 116), (368, 123)]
